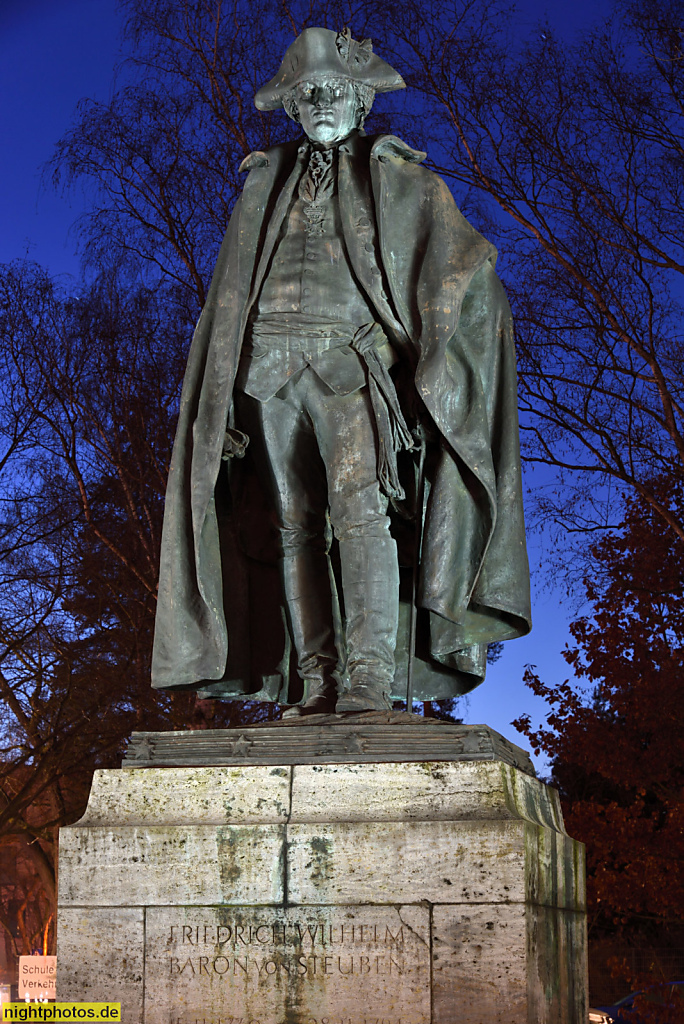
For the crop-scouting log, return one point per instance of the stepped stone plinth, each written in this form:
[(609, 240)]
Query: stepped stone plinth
[(416, 890)]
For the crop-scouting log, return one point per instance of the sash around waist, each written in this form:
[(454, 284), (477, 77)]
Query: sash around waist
[(346, 357), (281, 345), (299, 332)]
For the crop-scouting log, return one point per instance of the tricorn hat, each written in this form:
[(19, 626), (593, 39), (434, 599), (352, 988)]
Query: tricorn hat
[(320, 51)]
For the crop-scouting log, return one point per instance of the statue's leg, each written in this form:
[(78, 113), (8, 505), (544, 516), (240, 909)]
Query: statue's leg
[(346, 433), (290, 461)]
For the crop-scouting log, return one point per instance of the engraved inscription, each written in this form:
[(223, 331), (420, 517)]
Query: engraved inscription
[(299, 948), (300, 965), (255, 965)]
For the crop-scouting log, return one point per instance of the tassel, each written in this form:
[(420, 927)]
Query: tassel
[(393, 433)]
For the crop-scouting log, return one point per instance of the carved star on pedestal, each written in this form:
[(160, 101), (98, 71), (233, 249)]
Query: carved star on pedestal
[(355, 745), (484, 744), (144, 749), (241, 746)]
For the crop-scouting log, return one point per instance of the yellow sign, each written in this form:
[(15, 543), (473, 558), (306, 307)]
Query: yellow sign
[(68, 1012)]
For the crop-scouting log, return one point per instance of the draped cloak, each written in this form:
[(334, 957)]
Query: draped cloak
[(473, 582)]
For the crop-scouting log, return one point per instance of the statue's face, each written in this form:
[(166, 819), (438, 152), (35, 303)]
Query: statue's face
[(327, 109)]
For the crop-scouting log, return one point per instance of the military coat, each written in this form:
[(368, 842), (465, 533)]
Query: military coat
[(437, 295)]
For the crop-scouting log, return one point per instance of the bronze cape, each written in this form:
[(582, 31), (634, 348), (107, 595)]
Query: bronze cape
[(473, 585)]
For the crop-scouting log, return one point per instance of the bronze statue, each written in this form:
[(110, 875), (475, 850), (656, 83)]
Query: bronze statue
[(356, 348)]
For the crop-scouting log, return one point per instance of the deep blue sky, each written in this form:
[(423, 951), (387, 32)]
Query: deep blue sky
[(54, 53)]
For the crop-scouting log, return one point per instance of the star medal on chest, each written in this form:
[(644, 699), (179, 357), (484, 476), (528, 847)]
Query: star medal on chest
[(316, 188)]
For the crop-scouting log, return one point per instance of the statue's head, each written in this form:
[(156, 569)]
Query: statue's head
[(327, 82), (328, 108)]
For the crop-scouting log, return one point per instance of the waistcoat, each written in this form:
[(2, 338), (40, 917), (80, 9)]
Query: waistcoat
[(309, 274), (310, 270)]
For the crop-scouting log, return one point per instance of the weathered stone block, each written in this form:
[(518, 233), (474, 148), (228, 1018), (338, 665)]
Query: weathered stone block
[(270, 964), (557, 965), (403, 893), (479, 964), (168, 865), (508, 963), (189, 796), (436, 861), (101, 957), (421, 791)]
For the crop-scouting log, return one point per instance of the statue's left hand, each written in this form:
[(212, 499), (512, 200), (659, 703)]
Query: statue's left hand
[(234, 444)]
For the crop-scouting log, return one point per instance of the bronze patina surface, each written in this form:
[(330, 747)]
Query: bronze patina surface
[(347, 446), (374, 737)]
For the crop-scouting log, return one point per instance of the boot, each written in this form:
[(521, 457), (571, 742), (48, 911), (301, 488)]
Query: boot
[(320, 699), (370, 583), (309, 598), (364, 696)]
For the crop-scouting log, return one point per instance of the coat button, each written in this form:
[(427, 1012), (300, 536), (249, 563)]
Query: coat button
[(368, 247), (364, 223), (311, 255)]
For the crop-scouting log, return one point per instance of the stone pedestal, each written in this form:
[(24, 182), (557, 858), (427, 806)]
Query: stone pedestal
[(439, 892)]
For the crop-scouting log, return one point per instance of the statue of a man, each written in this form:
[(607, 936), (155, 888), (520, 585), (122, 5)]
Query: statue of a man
[(356, 344)]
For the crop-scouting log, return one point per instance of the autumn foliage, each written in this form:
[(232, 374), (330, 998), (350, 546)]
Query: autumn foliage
[(617, 745)]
